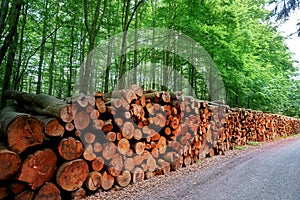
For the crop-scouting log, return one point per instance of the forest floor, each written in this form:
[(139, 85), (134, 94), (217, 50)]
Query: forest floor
[(268, 171)]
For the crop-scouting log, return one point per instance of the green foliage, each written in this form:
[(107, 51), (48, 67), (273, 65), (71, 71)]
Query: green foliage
[(255, 63)]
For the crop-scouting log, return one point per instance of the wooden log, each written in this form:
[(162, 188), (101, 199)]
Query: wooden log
[(138, 175), (89, 153), (10, 163), (4, 192), (94, 114), (123, 146), (16, 187), (124, 179), (98, 164), (139, 148), (69, 126), (20, 129), (93, 181), (107, 181), (165, 166), (162, 145), (48, 191), (137, 134), (111, 136), (51, 126), (72, 174), (78, 194), (116, 165), (81, 120), (129, 164), (25, 195), (38, 168), (70, 148), (109, 150), (107, 126), (97, 147), (89, 138), (137, 90), (138, 160), (128, 130), (42, 104), (100, 104), (151, 162)]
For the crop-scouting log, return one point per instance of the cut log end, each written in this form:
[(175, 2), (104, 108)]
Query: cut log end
[(10, 163), (38, 168), (71, 175)]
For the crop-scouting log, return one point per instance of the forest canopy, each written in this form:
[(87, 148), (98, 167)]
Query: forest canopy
[(44, 43)]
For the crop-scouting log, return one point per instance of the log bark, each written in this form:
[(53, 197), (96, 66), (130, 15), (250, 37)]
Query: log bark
[(38, 168), (42, 104)]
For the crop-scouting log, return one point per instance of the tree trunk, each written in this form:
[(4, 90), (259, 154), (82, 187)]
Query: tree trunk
[(42, 51), (52, 62), (13, 25), (9, 68)]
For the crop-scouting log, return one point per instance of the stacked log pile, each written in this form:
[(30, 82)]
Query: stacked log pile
[(53, 149)]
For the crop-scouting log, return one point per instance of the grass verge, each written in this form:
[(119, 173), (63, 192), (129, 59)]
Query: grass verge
[(253, 143), (240, 147)]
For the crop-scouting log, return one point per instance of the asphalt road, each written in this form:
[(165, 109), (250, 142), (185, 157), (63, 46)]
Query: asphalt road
[(272, 173)]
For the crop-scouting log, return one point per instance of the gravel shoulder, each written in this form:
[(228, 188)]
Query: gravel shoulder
[(268, 171)]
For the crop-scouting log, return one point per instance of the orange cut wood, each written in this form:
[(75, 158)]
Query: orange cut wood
[(109, 150), (21, 130), (98, 164), (123, 146), (25, 195), (38, 168), (81, 120), (124, 179), (51, 126), (138, 175), (93, 181), (48, 191), (70, 148), (10, 163), (129, 164), (72, 174), (116, 165), (78, 194), (128, 130), (107, 181)]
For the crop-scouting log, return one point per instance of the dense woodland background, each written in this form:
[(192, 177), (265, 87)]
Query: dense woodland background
[(44, 43)]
